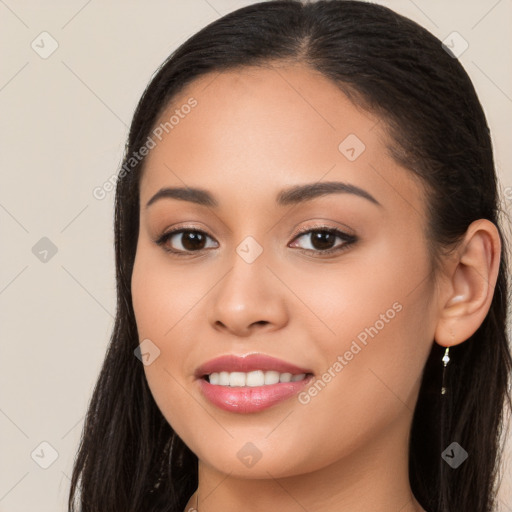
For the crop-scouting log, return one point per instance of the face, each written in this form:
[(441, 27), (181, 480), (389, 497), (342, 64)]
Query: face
[(337, 283)]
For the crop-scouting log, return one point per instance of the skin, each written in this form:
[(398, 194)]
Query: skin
[(254, 132)]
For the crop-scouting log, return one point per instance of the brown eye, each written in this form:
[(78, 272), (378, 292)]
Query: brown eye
[(322, 240), (190, 240)]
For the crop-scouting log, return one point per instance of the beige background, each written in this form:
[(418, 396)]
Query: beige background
[(63, 127)]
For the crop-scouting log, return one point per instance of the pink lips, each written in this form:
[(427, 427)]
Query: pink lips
[(248, 399)]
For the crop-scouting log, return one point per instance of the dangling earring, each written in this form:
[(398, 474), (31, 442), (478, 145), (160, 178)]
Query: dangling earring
[(446, 360)]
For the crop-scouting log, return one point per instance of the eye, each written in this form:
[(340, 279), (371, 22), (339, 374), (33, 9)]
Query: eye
[(191, 240), (321, 239)]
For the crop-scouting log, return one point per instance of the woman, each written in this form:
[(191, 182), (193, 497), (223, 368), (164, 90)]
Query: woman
[(338, 339)]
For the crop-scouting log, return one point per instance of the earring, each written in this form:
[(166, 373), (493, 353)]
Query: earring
[(446, 360)]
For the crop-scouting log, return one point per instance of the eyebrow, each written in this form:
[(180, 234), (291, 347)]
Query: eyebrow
[(293, 195)]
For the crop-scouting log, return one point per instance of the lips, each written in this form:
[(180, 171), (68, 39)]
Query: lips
[(251, 362), (249, 399)]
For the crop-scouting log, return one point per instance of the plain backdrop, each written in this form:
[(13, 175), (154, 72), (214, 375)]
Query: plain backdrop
[(71, 74)]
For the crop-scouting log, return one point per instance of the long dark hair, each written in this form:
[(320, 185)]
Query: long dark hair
[(129, 458)]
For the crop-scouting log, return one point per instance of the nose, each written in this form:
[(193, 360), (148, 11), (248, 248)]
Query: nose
[(248, 299)]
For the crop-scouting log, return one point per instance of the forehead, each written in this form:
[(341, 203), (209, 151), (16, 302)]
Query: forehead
[(258, 129)]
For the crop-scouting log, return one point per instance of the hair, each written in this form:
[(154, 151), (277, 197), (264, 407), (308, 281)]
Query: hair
[(129, 458)]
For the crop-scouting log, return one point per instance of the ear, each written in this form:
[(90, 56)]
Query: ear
[(467, 293)]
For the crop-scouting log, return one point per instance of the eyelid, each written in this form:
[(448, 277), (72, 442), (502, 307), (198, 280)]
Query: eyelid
[(323, 225)]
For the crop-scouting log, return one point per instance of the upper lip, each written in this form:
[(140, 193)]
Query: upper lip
[(234, 363)]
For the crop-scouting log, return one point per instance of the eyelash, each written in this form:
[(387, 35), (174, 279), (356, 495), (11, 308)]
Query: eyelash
[(348, 239)]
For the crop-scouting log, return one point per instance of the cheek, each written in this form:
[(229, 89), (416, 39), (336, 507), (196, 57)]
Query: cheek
[(377, 318), (163, 295), (164, 302)]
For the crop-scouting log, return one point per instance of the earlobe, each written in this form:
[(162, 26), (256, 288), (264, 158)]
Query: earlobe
[(470, 286)]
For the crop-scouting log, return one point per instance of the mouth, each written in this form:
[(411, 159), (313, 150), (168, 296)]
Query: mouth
[(256, 378), (250, 383)]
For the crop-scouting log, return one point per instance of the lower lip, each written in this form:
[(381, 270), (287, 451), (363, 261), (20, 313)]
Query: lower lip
[(249, 399)]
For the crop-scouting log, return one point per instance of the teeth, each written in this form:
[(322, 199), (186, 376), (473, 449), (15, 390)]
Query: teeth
[(251, 379)]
